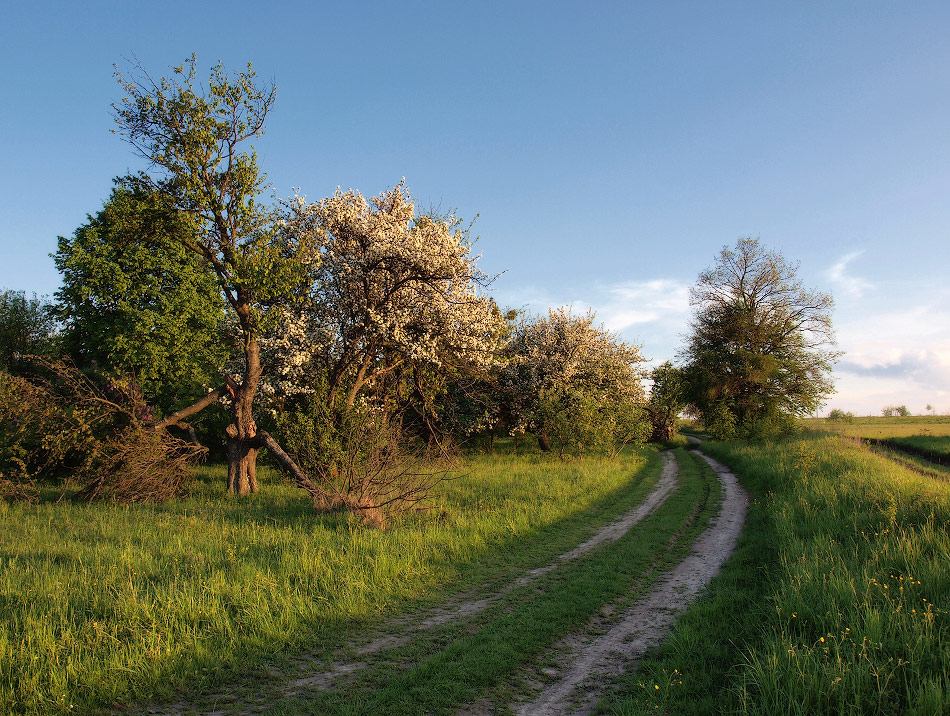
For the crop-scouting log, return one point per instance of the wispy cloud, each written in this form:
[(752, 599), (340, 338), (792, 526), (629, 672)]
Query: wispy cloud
[(633, 303), (927, 368), (851, 285), (651, 313)]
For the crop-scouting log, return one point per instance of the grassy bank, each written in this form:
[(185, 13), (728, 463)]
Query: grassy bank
[(938, 445), (835, 603), (111, 604)]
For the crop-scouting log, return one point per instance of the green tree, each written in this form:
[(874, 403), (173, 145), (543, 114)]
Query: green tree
[(135, 300), (196, 144), (27, 327), (667, 399), (839, 416), (761, 346)]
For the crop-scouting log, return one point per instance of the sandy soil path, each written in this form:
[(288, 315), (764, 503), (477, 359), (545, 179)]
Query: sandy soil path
[(588, 662)]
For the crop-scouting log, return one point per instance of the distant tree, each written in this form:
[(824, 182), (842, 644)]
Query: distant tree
[(930, 408), (136, 300), (574, 384), (840, 416), (667, 399), (27, 327), (889, 411), (760, 348)]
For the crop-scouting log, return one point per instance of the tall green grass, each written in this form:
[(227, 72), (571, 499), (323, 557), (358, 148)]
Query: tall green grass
[(103, 604), (836, 602)]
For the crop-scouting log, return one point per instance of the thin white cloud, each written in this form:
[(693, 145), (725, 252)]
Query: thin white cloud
[(634, 303), (852, 285)]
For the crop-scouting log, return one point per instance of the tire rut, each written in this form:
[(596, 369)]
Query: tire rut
[(588, 661)]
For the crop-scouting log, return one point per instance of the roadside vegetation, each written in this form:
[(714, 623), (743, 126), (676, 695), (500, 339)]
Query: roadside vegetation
[(835, 602)]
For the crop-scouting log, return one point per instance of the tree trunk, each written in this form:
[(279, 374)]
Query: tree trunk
[(243, 443), (543, 441)]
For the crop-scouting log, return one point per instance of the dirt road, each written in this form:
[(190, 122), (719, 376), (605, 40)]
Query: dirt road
[(587, 661), (584, 660)]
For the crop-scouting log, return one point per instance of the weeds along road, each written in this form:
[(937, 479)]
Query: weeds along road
[(576, 621)]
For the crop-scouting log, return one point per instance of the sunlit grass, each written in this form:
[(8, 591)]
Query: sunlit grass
[(882, 428), (836, 602), (110, 604)]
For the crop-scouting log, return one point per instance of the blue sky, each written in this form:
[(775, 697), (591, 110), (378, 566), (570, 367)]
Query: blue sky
[(610, 149)]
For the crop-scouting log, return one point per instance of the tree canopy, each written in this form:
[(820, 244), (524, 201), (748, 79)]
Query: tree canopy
[(574, 384), (135, 300), (761, 346)]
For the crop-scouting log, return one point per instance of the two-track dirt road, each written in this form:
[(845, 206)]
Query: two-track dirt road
[(584, 661)]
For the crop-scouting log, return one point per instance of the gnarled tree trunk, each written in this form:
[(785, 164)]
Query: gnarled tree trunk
[(243, 443)]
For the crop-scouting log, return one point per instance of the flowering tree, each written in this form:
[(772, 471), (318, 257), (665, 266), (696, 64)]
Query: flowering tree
[(395, 305), (393, 293), (574, 384)]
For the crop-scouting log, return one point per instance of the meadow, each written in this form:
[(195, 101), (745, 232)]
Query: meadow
[(885, 428), (114, 604), (835, 601)]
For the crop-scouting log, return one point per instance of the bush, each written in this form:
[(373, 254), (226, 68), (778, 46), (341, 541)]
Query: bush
[(839, 416)]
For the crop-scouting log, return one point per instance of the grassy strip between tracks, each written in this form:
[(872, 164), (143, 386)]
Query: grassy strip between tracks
[(835, 602), (478, 658), (107, 604)]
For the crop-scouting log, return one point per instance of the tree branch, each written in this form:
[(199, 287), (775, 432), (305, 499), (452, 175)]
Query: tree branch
[(195, 407)]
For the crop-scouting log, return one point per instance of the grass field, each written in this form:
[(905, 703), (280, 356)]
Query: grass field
[(882, 428), (108, 604), (835, 602)]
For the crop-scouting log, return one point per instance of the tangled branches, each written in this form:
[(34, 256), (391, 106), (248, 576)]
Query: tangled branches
[(59, 425)]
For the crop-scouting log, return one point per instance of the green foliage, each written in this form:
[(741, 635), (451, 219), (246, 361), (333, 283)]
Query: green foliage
[(900, 411), (576, 422), (667, 399), (135, 300), (759, 353), (27, 327)]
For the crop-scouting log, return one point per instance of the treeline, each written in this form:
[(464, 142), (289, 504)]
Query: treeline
[(352, 339)]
